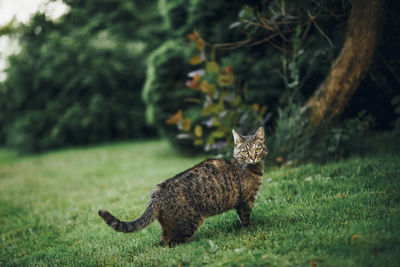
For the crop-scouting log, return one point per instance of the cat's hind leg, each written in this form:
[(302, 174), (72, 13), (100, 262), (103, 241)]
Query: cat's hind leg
[(165, 238), (166, 231), (184, 230)]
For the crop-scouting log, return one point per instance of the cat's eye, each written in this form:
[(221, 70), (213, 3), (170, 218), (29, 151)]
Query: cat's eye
[(244, 152), (258, 150)]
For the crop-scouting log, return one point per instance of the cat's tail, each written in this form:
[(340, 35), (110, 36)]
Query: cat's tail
[(150, 214)]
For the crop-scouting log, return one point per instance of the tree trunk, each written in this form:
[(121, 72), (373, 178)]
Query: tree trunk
[(351, 65)]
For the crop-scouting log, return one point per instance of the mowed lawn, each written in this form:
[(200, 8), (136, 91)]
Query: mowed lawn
[(344, 213)]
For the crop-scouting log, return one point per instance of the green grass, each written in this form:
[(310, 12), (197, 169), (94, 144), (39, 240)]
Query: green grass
[(303, 216)]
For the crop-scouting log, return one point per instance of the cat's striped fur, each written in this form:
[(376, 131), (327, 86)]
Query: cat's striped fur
[(211, 187)]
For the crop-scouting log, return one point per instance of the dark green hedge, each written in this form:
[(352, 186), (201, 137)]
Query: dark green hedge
[(78, 81), (164, 91)]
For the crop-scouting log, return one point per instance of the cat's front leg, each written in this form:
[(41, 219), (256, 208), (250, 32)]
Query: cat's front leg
[(244, 211)]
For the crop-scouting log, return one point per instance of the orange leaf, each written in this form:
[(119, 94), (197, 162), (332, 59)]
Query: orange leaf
[(255, 107), (195, 83), (313, 264), (193, 36), (200, 44), (186, 124), (354, 237), (228, 69), (341, 195), (195, 60), (263, 110), (204, 86), (196, 78), (174, 119), (281, 160)]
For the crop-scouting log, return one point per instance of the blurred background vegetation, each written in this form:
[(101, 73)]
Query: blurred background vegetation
[(189, 71)]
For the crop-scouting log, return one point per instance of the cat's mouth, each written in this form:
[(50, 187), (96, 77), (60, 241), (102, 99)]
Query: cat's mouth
[(251, 162)]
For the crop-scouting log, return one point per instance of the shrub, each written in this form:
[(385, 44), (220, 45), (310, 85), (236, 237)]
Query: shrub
[(294, 140), (164, 89), (160, 88), (183, 16), (218, 104), (73, 85)]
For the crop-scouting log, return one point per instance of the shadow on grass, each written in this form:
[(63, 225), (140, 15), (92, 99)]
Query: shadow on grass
[(228, 224)]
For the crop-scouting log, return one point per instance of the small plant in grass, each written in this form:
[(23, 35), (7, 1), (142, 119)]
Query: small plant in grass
[(296, 141), (219, 106)]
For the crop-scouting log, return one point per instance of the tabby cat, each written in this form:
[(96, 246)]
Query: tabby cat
[(211, 187)]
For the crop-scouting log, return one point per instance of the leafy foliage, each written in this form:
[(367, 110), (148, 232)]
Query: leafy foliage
[(266, 83), (294, 140), (218, 106), (164, 91)]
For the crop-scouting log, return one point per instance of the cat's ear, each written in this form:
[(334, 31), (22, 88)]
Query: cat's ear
[(260, 135), (236, 137)]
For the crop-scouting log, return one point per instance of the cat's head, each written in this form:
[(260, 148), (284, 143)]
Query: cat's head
[(250, 149)]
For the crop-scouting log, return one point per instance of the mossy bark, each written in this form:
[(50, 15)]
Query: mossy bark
[(352, 64)]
